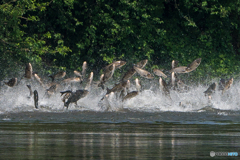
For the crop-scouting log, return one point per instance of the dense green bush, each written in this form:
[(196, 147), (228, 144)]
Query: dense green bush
[(61, 34)]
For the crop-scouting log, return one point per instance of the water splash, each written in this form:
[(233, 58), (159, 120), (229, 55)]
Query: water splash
[(151, 99)]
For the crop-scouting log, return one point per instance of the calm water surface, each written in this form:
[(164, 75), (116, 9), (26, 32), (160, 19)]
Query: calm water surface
[(114, 135)]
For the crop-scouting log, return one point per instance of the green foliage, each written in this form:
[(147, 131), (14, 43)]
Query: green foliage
[(19, 44), (63, 33)]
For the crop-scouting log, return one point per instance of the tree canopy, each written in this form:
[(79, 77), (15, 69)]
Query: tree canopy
[(61, 34)]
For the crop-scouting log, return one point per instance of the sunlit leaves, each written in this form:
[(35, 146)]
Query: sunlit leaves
[(204, 3)]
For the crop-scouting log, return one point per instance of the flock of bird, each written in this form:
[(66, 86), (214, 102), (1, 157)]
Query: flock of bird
[(121, 89)]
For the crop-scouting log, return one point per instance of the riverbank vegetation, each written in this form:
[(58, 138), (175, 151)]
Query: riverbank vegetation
[(61, 34)]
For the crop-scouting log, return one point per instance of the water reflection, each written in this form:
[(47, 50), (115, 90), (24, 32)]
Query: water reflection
[(115, 141)]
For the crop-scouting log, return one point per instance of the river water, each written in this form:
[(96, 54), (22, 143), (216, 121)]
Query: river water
[(148, 126)]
